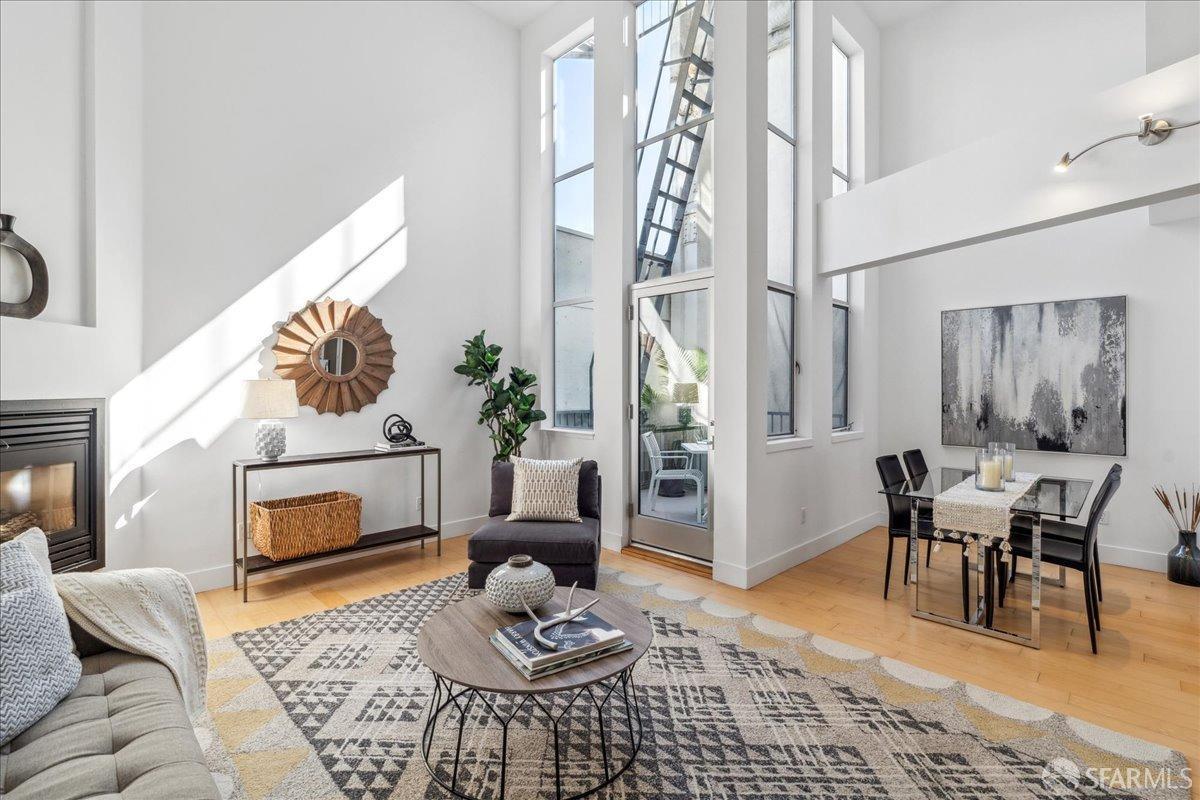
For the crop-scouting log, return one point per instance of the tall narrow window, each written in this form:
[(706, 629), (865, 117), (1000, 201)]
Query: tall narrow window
[(841, 121), (674, 132), (574, 228), (781, 214), (841, 353)]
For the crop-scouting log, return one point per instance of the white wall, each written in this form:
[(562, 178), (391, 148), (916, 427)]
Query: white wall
[(45, 62), (962, 71), (285, 122), (812, 494), (56, 356), (1155, 266), (365, 150)]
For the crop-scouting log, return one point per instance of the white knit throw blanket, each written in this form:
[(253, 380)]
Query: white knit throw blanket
[(148, 612), (965, 509)]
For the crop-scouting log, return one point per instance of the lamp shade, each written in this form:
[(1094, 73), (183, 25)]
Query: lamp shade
[(686, 393), (270, 399)]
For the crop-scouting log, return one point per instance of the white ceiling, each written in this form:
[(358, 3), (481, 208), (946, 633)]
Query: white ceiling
[(886, 13), (517, 13)]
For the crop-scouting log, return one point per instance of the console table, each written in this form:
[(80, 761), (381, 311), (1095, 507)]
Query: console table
[(251, 565)]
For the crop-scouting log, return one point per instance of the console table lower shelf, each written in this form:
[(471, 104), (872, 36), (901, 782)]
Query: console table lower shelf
[(249, 564)]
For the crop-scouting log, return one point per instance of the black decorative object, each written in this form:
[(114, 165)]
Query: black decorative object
[(33, 305), (57, 438), (398, 431), (1183, 562)]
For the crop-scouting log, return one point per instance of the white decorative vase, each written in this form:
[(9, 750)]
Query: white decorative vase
[(520, 577), (270, 439)]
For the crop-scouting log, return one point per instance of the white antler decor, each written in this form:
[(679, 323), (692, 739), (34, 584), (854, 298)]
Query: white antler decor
[(557, 619)]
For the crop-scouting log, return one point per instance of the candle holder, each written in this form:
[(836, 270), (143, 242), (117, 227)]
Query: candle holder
[(1003, 452), (989, 470)]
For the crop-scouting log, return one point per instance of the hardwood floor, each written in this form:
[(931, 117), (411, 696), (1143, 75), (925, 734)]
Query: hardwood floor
[(1145, 681)]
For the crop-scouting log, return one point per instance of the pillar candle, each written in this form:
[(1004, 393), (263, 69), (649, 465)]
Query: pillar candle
[(989, 472)]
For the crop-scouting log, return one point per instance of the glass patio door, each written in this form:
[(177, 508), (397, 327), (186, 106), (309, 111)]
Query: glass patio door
[(673, 430)]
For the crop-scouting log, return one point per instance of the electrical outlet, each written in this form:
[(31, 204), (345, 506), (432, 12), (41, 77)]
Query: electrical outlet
[(803, 515)]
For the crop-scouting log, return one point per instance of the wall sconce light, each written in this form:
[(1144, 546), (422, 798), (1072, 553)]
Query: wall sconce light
[(1150, 131)]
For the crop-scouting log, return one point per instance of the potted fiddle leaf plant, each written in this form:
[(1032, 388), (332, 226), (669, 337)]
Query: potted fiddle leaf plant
[(508, 403)]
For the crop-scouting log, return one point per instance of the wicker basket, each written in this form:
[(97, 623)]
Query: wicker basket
[(299, 526)]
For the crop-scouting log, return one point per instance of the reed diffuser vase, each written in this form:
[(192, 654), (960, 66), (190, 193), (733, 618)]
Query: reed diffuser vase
[(1183, 561)]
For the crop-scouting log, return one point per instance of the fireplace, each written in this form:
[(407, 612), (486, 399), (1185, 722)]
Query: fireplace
[(51, 477)]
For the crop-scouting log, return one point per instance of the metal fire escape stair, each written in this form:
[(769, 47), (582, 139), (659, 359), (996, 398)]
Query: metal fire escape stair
[(677, 162)]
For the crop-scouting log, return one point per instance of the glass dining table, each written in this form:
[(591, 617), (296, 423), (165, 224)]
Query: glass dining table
[(940, 587)]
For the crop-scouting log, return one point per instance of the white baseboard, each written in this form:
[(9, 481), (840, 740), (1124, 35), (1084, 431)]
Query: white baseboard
[(611, 540), (730, 574), (744, 578), (1133, 557), (221, 576)]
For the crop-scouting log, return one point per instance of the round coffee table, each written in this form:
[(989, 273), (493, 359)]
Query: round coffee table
[(454, 644)]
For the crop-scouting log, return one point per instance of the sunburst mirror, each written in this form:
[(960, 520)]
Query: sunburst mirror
[(338, 354)]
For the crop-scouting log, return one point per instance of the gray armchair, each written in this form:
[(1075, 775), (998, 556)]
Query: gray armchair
[(570, 549)]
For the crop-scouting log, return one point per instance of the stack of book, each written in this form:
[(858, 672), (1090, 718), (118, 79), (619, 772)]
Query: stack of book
[(390, 447), (583, 639)]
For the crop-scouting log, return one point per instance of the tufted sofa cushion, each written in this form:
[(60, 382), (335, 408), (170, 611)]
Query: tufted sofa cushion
[(123, 733)]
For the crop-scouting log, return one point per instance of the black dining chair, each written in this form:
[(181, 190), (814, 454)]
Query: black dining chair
[(1070, 532), (914, 462), (1079, 553), (899, 523)]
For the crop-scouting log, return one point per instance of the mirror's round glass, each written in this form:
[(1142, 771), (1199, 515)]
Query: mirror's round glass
[(337, 356)]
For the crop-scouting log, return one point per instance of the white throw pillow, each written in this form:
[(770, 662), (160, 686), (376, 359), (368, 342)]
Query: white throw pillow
[(546, 491), (38, 665), (35, 542)]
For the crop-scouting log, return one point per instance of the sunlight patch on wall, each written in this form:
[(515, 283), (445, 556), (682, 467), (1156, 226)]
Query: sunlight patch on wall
[(194, 391)]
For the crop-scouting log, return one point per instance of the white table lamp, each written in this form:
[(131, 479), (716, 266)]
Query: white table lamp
[(270, 401)]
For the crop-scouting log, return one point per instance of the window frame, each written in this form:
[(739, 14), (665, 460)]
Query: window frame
[(584, 300), (849, 424), (845, 178), (837, 173), (776, 286)]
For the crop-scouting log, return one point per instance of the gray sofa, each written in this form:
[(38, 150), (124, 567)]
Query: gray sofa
[(570, 549), (123, 734)]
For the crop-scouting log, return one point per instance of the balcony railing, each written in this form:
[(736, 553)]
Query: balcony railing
[(581, 419), (779, 423)]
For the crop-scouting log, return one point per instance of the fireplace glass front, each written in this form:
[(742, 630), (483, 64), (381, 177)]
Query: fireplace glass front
[(41, 496)]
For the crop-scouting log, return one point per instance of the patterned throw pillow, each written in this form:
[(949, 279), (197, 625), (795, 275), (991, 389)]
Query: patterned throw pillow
[(38, 666), (545, 491)]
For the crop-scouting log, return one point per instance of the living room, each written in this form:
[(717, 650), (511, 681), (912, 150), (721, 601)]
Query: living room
[(338, 337)]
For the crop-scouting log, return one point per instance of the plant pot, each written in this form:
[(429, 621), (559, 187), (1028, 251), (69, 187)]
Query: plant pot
[(1183, 562)]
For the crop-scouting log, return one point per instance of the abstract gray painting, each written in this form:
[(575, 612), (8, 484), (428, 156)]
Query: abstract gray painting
[(1047, 376)]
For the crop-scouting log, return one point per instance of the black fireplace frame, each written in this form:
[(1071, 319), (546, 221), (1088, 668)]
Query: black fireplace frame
[(32, 425)]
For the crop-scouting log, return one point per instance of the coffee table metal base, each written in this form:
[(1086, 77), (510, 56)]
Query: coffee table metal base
[(619, 689)]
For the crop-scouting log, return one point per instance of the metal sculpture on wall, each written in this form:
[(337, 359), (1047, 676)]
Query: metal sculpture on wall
[(398, 431), (338, 353), (33, 305), (1047, 376)]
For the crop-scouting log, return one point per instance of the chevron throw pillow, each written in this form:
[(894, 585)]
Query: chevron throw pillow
[(38, 665), (546, 491)]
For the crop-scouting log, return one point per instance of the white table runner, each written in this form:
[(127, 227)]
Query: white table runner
[(964, 512)]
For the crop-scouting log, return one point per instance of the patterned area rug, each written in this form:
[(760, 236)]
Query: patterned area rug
[(735, 706)]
